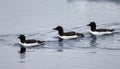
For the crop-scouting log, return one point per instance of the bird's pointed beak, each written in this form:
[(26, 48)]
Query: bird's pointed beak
[(88, 25), (18, 37), (54, 28)]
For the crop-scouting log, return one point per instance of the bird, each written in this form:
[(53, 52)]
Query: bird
[(67, 35), (28, 42), (95, 31)]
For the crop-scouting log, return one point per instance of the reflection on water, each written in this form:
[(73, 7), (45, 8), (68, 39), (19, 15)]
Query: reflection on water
[(22, 55), (22, 50), (60, 46), (93, 41)]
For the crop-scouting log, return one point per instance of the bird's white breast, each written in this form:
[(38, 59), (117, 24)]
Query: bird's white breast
[(28, 45), (100, 33), (68, 37)]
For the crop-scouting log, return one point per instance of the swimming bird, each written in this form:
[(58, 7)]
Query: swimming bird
[(28, 42), (67, 35), (95, 31)]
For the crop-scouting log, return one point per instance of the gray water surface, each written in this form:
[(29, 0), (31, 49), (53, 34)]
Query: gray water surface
[(37, 18)]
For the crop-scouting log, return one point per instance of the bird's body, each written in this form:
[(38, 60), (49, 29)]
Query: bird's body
[(100, 33), (28, 42), (67, 35), (95, 31)]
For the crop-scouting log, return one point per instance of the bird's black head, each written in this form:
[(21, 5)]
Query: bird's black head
[(92, 25), (22, 37), (59, 29)]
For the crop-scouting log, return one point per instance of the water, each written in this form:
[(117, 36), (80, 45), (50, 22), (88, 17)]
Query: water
[(37, 18)]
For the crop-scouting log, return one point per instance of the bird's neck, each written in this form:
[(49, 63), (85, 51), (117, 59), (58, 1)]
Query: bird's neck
[(22, 40), (61, 32), (93, 28)]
